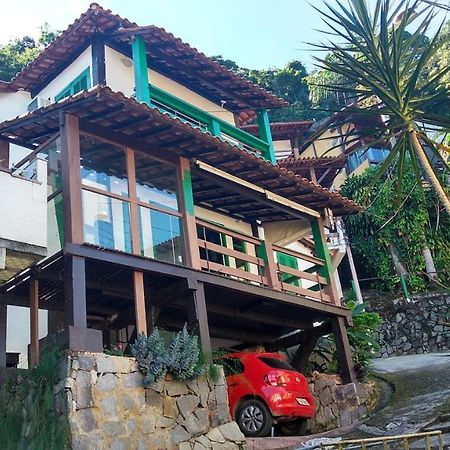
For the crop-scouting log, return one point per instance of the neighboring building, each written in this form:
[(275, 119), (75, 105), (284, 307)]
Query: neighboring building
[(160, 210)]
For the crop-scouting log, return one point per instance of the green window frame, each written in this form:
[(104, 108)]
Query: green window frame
[(80, 83)]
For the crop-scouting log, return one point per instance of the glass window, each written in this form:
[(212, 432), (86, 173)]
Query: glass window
[(80, 83), (276, 363), (55, 224), (106, 221), (103, 165), (156, 183), (160, 235), (232, 366)]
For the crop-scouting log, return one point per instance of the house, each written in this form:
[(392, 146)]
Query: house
[(160, 211)]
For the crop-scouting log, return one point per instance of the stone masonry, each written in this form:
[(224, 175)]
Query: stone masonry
[(109, 408), (419, 326), (337, 404)]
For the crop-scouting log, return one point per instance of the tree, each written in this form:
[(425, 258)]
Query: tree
[(288, 83), (386, 234), (20, 51), (388, 66)]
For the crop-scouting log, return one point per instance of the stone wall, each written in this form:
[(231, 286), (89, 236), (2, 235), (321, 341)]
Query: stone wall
[(109, 408), (418, 326), (337, 404)]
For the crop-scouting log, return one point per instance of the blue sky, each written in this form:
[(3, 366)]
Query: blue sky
[(254, 33)]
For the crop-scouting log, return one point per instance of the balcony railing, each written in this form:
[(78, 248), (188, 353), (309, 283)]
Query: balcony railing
[(205, 121), (246, 258)]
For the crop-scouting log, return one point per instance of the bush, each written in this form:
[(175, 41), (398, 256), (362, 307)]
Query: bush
[(181, 357)]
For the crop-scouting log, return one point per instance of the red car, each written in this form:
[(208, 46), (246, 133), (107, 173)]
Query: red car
[(263, 389)]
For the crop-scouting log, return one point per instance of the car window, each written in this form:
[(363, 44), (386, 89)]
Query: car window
[(232, 366), (276, 363)]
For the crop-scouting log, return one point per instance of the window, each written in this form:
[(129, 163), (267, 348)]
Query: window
[(232, 366), (276, 363), (80, 83)]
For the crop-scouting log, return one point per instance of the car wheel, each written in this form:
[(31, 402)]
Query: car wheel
[(254, 418), (293, 428)]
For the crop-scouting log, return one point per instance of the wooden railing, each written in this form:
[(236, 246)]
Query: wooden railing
[(253, 260)]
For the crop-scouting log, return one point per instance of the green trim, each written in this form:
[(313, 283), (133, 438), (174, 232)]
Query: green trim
[(321, 250), (140, 70), (206, 120), (288, 261), (188, 192), (266, 135), (80, 83)]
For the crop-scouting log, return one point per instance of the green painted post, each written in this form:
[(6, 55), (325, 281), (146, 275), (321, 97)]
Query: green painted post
[(214, 127), (140, 70), (404, 287), (265, 134)]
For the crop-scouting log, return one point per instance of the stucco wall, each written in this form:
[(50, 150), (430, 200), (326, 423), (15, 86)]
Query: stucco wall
[(120, 77)]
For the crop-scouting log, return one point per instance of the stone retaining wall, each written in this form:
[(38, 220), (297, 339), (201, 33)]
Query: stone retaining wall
[(109, 408), (418, 326), (337, 404)]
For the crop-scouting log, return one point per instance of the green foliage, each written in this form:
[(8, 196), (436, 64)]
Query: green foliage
[(181, 356), (20, 51), (45, 430), (416, 223)]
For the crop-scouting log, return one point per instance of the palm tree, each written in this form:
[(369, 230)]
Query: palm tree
[(385, 55)]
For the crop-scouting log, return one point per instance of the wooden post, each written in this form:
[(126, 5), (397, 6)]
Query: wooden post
[(320, 241), (265, 134), (186, 196), (265, 251), (344, 354), (140, 70), (139, 302), (3, 329), (198, 315), (4, 156), (34, 321), (75, 291), (138, 277), (98, 61), (312, 174)]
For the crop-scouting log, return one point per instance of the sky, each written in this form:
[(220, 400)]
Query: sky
[(254, 33)]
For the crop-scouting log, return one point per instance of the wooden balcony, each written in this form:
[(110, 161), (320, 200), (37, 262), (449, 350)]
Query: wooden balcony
[(253, 260)]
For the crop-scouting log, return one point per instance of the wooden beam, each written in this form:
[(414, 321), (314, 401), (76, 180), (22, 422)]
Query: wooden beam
[(34, 321), (98, 60), (75, 291), (139, 302), (322, 252), (265, 134), (3, 329), (71, 179), (134, 208), (4, 156), (197, 313), (185, 193), (140, 70), (344, 354)]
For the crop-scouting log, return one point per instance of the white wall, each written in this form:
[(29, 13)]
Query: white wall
[(24, 208), (120, 77), (67, 76), (13, 104)]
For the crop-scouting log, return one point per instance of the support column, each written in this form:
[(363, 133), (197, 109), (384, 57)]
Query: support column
[(265, 134), (98, 61), (139, 302), (75, 291), (265, 251), (140, 70), (344, 354), (214, 127), (3, 328), (186, 197), (4, 156), (34, 322), (198, 316), (138, 277), (320, 241)]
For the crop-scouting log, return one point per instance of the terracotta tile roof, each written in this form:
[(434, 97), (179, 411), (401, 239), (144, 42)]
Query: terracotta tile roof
[(122, 117), (6, 87), (166, 54), (282, 130)]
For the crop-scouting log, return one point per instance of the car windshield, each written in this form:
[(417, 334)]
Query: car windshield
[(276, 363)]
